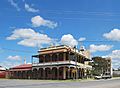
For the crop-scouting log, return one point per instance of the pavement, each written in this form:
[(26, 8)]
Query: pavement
[(12, 83)]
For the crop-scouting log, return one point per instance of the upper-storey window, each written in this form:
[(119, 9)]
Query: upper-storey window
[(67, 56), (82, 60), (41, 59), (47, 58), (61, 57), (54, 57)]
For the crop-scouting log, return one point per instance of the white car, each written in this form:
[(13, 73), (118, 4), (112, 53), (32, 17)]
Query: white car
[(97, 77), (106, 77)]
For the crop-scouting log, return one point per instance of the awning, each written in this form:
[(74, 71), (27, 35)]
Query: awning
[(37, 56)]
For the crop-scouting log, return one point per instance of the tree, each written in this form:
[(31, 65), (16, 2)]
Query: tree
[(99, 65), (119, 69)]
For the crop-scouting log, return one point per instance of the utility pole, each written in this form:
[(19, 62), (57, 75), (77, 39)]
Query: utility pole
[(76, 62)]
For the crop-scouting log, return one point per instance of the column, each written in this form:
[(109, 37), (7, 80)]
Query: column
[(68, 73), (43, 58), (43, 73), (64, 73), (50, 72), (85, 73), (64, 56), (76, 73), (51, 58), (58, 73)]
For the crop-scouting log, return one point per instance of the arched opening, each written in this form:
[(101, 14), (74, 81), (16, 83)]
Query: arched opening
[(82, 73), (40, 73), (47, 73), (72, 72), (60, 56), (54, 73), (54, 57), (35, 73), (82, 60), (79, 72), (88, 73), (67, 72), (41, 59), (47, 58), (61, 72)]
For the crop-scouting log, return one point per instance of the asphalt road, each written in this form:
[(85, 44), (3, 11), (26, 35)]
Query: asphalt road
[(7, 83)]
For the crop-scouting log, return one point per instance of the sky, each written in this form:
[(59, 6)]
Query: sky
[(28, 25)]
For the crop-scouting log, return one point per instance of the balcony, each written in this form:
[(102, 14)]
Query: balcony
[(62, 63)]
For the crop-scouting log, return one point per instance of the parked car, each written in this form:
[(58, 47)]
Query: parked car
[(97, 77), (106, 76)]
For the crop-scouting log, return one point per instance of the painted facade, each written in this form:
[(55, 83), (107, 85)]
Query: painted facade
[(2, 72), (60, 62), (23, 71)]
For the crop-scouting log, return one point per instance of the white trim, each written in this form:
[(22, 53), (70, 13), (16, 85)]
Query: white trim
[(63, 62)]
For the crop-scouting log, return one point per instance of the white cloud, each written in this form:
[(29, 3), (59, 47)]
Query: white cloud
[(14, 4), (82, 39), (116, 63), (30, 9), (28, 37), (9, 64), (17, 58), (113, 35), (38, 21), (95, 48), (69, 40), (115, 55)]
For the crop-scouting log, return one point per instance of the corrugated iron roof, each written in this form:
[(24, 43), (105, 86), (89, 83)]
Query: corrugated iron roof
[(21, 69), (22, 66), (1, 68)]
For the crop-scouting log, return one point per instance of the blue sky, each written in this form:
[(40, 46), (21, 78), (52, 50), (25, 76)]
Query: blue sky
[(26, 25)]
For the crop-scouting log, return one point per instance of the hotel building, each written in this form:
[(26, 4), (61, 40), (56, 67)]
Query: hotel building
[(61, 62)]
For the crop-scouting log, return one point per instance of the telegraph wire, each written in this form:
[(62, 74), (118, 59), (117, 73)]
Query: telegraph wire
[(16, 50)]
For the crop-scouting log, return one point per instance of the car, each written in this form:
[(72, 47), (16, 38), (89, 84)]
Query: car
[(97, 77), (106, 77)]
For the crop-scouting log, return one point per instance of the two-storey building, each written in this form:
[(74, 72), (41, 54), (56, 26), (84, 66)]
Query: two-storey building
[(60, 62)]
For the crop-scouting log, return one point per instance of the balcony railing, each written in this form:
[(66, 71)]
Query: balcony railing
[(61, 63)]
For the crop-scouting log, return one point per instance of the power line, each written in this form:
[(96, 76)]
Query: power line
[(60, 11), (98, 41), (15, 50)]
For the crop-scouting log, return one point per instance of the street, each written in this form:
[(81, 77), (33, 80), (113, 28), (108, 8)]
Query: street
[(110, 83)]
